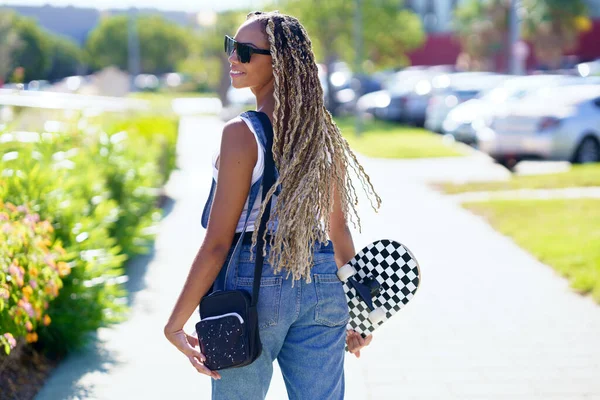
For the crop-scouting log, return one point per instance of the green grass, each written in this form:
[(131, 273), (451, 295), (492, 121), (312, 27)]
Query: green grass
[(578, 176), (564, 234), (382, 139), (160, 102)]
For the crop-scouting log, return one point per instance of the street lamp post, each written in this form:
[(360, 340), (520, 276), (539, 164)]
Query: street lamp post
[(517, 48), (133, 50)]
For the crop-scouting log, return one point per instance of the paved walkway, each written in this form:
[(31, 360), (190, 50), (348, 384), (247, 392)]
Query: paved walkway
[(490, 322)]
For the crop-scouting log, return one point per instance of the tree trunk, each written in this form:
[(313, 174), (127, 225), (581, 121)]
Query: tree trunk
[(224, 81)]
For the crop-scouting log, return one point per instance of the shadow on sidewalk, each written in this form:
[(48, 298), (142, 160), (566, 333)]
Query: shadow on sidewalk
[(137, 267), (67, 384), (98, 358)]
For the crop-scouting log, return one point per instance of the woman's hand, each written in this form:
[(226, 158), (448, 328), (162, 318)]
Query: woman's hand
[(355, 342), (187, 345)]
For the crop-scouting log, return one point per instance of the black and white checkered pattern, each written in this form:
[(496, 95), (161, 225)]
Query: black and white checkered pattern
[(396, 270)]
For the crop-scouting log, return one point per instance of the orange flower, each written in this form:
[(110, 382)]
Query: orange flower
[(63, 268), (47, 320), (583, 23), (28, 326), (33, 272), (31, 337), (27, 291)]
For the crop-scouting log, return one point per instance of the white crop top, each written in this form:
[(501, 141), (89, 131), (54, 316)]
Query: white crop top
[(256, 174)]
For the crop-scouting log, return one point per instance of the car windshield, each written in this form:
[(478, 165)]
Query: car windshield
[(571, 94), (518, 88), (405, 81)]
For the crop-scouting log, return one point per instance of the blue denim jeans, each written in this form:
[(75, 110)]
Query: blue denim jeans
[(303, 328)]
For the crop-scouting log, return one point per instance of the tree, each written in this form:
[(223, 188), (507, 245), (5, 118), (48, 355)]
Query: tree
[(554, 26), (33, 55), (389, 31), (67, 58), (215, 62), (9, 42), (482, 28), (163, 44)]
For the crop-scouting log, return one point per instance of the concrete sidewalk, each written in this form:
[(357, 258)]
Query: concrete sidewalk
[(489, 322)]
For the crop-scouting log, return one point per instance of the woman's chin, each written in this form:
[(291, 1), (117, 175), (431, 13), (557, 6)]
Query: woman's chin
[(237, 84)]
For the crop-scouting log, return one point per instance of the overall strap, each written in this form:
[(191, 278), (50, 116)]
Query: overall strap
[(267, 183)]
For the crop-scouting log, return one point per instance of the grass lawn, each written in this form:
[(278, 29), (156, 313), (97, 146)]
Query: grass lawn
[(383, 139), (564, 234), (578, 175), (161, 101)]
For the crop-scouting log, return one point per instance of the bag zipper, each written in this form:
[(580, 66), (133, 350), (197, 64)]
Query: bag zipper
[(225, 315)]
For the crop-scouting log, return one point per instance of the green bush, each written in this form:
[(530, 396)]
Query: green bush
[(154, 132), (99, 190), (30, 273)]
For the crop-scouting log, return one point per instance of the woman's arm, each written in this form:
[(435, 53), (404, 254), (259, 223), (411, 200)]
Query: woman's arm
[(238, 156), (339, 233), (343, 246)]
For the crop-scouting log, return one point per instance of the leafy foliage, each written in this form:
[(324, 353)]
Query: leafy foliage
[(482, 27), (30, 273), (554, 27), (9, 42), (389, 30), (67, 58), (91, 186), (163, 44), (34, 52)]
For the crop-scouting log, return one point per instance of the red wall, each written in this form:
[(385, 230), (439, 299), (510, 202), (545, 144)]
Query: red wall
[(442, 49), (439, 49), (589, 44)]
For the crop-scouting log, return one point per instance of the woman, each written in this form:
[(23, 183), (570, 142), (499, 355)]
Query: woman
[(302, 308)]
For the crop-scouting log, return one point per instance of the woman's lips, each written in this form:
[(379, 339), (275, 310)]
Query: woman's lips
[(234, 74)]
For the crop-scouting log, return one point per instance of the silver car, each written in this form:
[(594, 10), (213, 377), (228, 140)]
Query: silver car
[(454, 89), (463, 120), (560, 123)]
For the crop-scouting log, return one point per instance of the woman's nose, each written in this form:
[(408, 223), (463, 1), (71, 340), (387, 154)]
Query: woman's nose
[(233, 58)]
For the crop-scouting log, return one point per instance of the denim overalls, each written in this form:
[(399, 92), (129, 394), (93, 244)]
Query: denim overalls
[(303, 327)]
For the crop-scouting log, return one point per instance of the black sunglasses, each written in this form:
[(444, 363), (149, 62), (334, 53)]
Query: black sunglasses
[(243, 50)]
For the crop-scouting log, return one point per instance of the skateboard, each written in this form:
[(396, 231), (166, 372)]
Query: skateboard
[(379, 281)]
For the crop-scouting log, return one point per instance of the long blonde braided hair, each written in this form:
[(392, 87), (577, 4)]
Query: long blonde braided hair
[(309, 151)]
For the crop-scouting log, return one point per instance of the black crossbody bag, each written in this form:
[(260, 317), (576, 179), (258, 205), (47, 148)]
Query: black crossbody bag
[(228, 331)]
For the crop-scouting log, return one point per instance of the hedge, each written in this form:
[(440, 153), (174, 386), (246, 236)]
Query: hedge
[(94, 186)]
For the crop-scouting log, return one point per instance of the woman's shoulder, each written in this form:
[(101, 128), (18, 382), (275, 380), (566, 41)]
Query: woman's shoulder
[(238, 136), (237, 127)]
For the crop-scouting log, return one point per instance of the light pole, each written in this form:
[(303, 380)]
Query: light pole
[(133, 49), (517, 49)]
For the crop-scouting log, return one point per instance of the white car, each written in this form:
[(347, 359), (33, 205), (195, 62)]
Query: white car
[(560, 123), (463, 120)]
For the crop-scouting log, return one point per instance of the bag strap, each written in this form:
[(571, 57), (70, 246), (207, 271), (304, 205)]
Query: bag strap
[(267, 183)]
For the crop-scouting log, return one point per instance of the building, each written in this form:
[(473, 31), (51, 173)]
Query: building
[(76, 23), (442, 46)]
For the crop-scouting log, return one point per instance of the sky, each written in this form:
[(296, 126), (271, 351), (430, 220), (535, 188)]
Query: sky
[(179, 5)]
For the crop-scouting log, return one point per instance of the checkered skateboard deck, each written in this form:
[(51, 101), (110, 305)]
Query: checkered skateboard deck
[(378, 282)]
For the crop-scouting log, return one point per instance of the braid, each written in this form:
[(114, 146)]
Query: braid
[(309, 151)]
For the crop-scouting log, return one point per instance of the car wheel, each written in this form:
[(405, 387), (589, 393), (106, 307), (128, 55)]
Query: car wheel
[(508, 163), (588, 151)]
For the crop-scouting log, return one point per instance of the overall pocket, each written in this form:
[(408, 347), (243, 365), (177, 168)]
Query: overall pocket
[(332, 309), (268, 298)]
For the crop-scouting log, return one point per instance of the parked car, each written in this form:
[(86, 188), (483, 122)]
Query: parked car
[(389, 103), (559, 123), (462, 121), (453, 89)]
